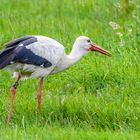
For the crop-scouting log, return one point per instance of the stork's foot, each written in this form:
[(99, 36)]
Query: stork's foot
[(13, 92)]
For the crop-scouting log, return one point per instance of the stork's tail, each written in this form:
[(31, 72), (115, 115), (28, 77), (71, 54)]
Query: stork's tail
[(6, 56)]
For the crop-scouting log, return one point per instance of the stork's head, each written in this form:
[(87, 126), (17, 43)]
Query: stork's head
[(85, 45)]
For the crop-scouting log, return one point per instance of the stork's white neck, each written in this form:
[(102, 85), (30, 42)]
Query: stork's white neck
[(77, 52), (70, 59)]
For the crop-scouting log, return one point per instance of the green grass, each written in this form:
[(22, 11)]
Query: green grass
[(98, 98), (65, 133)]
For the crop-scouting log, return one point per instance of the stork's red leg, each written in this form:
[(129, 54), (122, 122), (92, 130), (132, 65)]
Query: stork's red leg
[(13, 91), (40, 95)]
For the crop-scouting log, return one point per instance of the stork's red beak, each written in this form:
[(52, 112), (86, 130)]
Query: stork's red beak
[(97, 48)]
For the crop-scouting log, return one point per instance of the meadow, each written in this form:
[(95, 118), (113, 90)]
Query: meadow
[(97, 98)]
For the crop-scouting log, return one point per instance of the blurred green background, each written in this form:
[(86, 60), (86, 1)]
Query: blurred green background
[(98, 98)]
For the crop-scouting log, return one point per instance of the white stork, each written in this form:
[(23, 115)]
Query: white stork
[(39, 56)]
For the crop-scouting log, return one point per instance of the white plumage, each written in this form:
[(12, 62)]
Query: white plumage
[(54, 52), (45, 47)]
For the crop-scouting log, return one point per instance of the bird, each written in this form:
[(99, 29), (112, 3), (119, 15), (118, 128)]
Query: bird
[(37, 56)]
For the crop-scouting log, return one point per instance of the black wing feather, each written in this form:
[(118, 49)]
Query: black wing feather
[(16, 51), (26, 56), (6, 59), (17, 41)]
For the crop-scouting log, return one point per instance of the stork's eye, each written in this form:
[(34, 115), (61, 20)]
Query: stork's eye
[(88, 41)]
